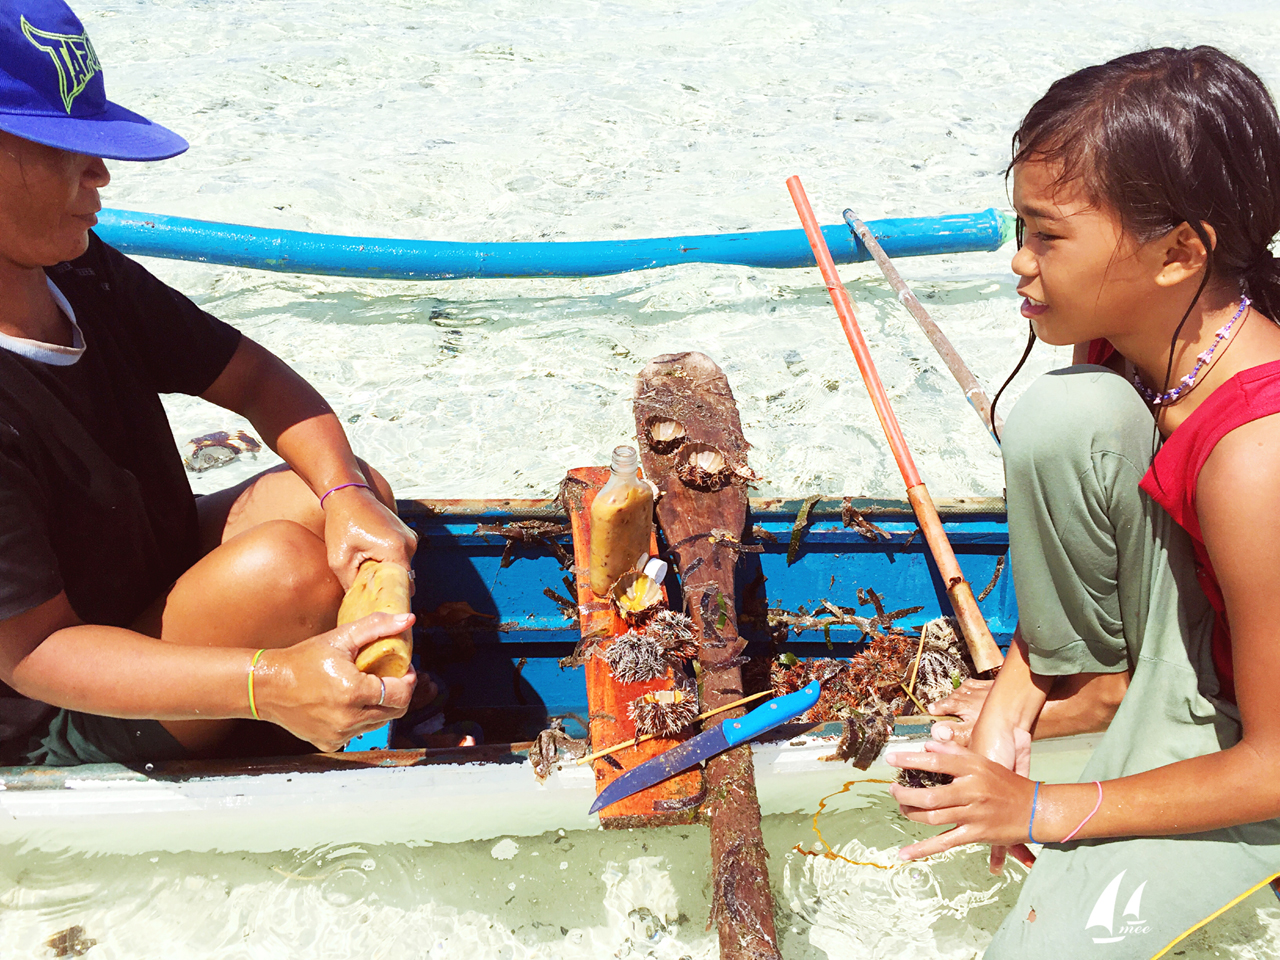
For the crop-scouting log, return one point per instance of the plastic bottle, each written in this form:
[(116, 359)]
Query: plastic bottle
[(621, 522)]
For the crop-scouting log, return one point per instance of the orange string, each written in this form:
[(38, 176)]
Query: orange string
[(828, 853)]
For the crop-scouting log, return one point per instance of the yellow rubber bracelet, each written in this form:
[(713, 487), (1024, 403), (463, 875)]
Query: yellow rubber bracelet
[(253, 707)]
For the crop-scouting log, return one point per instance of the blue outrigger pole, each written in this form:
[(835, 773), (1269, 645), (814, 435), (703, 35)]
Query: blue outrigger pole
[(293, 251)]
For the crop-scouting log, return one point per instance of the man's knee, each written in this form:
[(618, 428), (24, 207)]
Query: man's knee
[(293, 560)]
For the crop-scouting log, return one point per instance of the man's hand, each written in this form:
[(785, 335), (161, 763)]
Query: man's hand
[(359, 527), (314, 690)]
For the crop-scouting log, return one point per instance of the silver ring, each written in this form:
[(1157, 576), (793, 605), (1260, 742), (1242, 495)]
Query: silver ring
[(383, 695), (412, 575)]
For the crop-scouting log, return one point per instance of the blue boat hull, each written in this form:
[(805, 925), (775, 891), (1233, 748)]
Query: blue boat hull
[(503, 666)]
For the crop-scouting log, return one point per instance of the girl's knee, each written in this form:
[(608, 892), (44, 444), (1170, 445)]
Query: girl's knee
[(1077, 410)]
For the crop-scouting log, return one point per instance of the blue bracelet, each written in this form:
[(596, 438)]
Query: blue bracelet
[(1034, 797)]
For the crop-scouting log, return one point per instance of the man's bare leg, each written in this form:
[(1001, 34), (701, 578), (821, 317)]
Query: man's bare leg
[(263, 580), (269, 586)]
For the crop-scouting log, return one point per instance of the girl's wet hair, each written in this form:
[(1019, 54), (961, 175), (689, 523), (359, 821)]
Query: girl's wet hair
[(1166, 137)]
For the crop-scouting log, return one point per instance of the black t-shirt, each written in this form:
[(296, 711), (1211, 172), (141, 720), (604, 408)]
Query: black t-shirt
[(94, 499)]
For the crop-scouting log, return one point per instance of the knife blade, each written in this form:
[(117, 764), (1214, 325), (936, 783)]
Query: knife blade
[(709, 743)]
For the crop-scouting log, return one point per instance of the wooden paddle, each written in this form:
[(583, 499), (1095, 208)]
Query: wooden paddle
[(610, 725), (982, 646), (973, 391), (703, 514)]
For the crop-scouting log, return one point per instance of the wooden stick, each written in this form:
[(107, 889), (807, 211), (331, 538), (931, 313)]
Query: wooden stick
[(982, 646), (649, 736), (973, 391), (919, 706), (915, 664)]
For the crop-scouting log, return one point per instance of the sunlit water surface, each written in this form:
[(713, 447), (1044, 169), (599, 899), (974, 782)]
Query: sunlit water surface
[(584, 121), (565, 894), (598, 120), (569, 895)]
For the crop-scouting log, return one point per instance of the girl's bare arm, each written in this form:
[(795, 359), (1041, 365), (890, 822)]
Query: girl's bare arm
[(310, 688), (1238, 501)]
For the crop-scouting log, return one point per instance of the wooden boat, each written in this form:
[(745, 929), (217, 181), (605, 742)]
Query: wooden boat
[(490, 625)]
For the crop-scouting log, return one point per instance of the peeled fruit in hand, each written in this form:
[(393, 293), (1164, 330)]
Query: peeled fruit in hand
[(380, 588)]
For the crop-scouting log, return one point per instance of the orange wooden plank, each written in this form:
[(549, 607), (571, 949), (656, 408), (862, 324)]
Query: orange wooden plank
[(675, 800)]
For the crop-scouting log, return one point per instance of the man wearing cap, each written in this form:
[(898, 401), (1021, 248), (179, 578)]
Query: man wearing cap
[(138, 622)]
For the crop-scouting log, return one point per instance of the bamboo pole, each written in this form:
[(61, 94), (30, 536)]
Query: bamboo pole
[(982, 646), (973, 391)]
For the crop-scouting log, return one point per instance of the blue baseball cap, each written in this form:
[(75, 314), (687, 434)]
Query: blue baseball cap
[(51, 89)]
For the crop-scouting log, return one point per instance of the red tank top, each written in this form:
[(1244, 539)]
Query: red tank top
[(1100, 351), (1171, 481)]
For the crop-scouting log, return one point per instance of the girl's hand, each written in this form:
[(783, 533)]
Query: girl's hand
[(987, 802), (1011, 748), (966, 703), (314, 690), (359, 527)]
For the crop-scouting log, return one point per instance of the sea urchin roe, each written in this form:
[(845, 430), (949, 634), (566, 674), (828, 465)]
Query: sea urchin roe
[(634, 594), (621, 522)]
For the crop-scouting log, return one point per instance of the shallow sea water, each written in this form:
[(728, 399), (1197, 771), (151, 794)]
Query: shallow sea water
[(582, 121), (563, 894), (597, 120), (560, 895)]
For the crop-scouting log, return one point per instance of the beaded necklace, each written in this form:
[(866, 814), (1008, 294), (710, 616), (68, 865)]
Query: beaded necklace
[(1185, 384)]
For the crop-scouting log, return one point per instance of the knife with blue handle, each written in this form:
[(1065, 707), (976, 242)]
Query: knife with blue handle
[(709, 743)]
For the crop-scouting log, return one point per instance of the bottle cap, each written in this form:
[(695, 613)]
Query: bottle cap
[(656, 570)]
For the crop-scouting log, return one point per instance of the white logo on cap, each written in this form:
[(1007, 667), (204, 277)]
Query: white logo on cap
[(72, 56)]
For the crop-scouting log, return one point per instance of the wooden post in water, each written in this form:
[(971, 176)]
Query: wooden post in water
[(703, 515)]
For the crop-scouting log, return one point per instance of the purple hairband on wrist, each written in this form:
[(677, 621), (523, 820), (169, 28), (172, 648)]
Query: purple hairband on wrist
[(342, 486)]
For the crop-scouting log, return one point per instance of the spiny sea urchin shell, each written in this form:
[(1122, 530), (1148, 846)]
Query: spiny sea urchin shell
[(936, 678), (663, 434), (666, 712), (922, 778), (674, 633), (635, 657), (703, 466)]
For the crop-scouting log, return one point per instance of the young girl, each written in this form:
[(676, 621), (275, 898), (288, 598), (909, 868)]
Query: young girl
[(1149, 191)]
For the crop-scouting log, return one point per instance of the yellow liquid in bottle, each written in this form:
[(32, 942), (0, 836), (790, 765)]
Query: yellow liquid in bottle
[(621, 528)]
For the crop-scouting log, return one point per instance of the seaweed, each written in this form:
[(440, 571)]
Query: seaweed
[(533, 532)]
